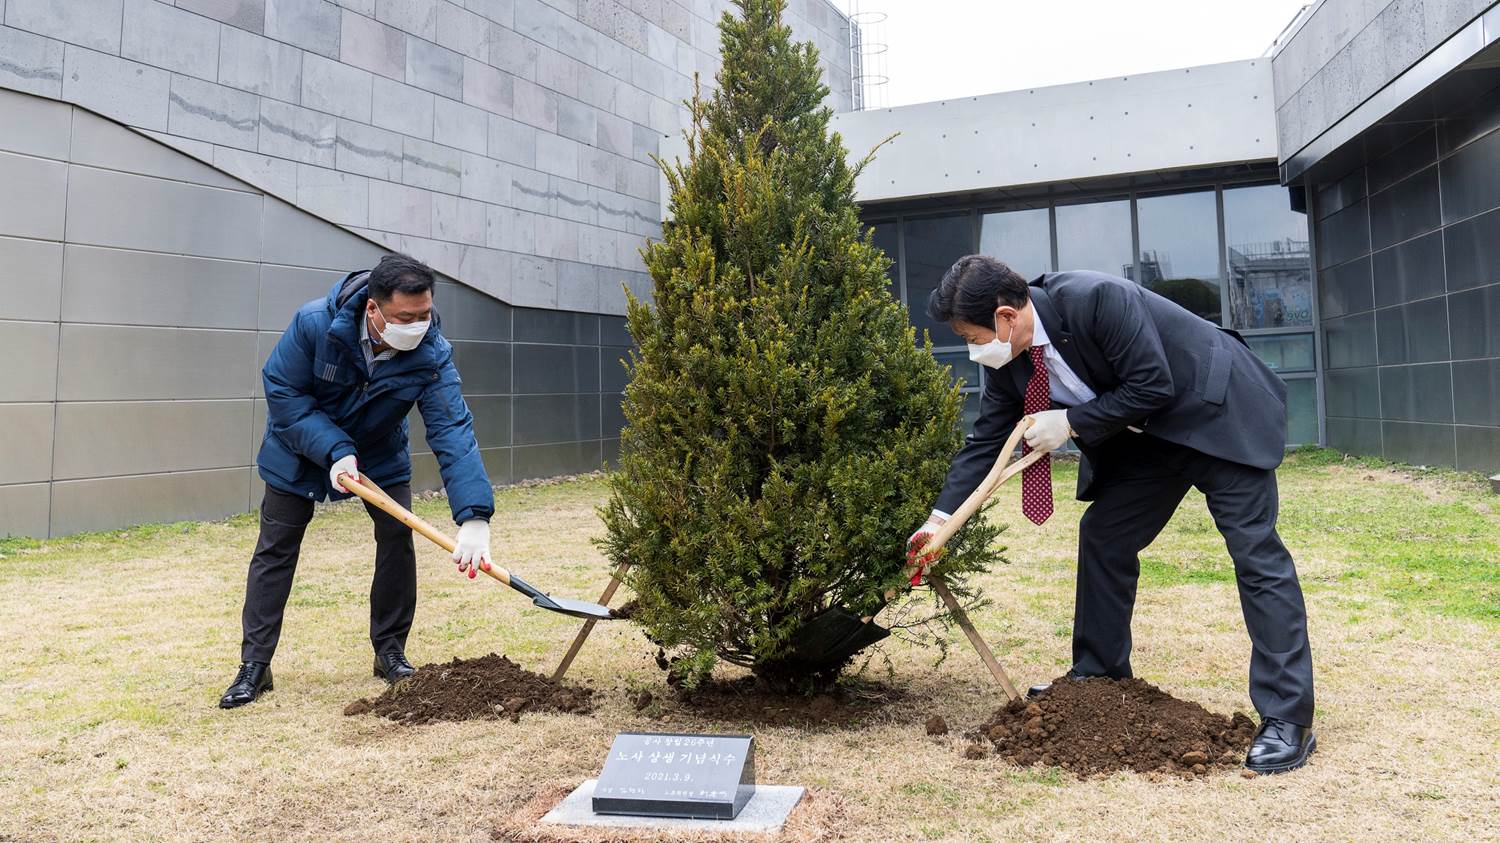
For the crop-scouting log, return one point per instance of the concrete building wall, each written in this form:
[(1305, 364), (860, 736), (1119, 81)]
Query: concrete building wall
[(1170, 120), (1386, 115), (505, 142), (273, 144), (1347, 50), (1408, 253), (142, 290)]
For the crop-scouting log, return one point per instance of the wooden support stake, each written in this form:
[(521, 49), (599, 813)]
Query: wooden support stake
[(588, 625), (982, 648)]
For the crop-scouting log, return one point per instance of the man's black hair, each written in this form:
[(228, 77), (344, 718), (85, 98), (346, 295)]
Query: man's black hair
[(399, 273), (972, 288)]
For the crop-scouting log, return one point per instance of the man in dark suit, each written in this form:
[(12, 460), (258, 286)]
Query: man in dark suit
[(1158, 401)]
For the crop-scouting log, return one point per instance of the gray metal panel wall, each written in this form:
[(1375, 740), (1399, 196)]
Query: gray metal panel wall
[(537, 402), (141, 292), (1409, 286), (508, 144)]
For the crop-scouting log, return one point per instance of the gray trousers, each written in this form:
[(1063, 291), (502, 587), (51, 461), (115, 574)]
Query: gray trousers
[(1138, 482), (393, 589)]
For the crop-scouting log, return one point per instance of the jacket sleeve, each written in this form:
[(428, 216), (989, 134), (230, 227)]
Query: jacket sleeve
[(450, 434), (1126, 335), (998, 415), (291, 411)]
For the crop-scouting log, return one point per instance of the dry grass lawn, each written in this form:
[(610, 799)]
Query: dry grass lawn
[(117, 645)]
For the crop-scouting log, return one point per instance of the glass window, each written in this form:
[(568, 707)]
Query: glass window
[(971, 410), (885, 237), (1179, 258), (1023, 239), (1270, 277), (965, 371), (1301, 411), (1284, 352), (1095, 236), (932, 245)]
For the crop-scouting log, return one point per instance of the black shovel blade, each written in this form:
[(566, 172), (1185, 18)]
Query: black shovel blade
[(833, 636), (576, 608)]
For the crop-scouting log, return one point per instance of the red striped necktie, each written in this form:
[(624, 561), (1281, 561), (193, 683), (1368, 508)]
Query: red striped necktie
[(1036, 480)]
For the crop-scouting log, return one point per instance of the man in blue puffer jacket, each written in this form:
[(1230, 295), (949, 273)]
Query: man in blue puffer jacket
[(339, 386)]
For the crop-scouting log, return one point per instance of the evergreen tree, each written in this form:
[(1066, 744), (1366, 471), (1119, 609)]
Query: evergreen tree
[(784, 430)]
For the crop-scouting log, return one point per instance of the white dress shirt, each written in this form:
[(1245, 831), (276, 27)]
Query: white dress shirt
[(1067, 388)]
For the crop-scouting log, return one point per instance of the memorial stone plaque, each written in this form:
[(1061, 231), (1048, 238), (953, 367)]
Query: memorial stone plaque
[(651, 774)]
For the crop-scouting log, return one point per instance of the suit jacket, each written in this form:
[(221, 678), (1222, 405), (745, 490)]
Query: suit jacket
[(1152, 365)]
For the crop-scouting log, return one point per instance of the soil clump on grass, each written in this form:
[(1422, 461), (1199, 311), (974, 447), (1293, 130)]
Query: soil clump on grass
[(745, 699), (486, 688), (1097, 726)]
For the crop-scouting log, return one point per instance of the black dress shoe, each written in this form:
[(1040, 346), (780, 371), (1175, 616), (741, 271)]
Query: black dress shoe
[(253, 678), (392, 667), (1035, 690), (1280, 747)]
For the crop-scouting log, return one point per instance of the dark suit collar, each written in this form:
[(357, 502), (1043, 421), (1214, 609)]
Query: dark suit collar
[(1047, 312)]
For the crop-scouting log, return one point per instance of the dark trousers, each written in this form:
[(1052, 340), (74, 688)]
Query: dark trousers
[(1139, 481), (393, 590)]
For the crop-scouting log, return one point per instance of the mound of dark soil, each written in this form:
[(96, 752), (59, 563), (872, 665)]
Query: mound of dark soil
[(485, 688), (1104, 725), (746, 700)]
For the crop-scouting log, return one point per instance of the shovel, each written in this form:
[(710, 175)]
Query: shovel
[(373, 494), (835, 634), (836, 630), (1002, 471)]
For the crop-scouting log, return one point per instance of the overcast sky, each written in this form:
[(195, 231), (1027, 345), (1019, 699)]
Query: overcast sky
[(940, 49)]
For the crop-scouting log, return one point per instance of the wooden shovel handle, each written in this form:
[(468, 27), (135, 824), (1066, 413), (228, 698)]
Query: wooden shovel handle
[(999, 473), (368, 491)]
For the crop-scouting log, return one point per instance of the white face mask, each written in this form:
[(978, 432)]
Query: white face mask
[(402, 337), (994, 353)]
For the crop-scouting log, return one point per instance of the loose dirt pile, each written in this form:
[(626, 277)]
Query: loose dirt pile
[(485, 688), (1104, 725)]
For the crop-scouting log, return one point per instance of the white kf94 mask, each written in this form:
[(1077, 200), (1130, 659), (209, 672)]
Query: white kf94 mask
[(402, 337), (993, 354)]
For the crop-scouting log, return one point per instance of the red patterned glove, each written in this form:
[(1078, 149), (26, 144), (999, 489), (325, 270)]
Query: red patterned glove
[(914, 545)]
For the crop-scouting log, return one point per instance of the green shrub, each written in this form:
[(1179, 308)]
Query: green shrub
[(785, 431)]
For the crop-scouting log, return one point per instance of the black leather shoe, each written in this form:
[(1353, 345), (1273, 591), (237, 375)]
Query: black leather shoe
[(1279, 747), (253, 679), (392, 667), (1034, 690)]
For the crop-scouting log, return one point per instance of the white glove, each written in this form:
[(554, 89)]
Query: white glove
[(344, 465), (473, 550), (1049, 430), (918, 540)]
